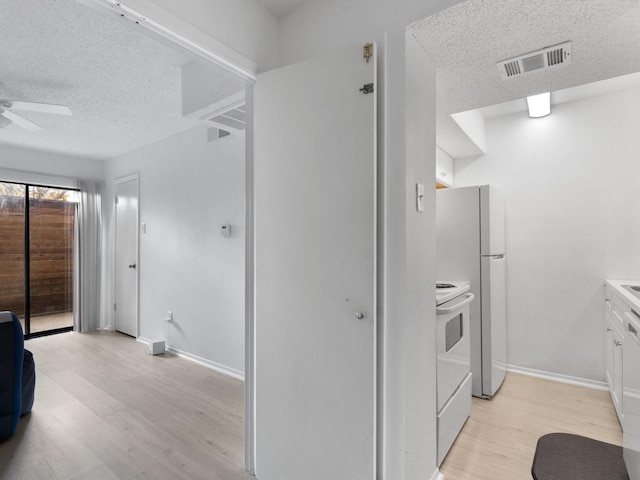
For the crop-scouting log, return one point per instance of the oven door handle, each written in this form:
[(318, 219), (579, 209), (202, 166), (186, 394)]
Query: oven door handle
[(457, 305)]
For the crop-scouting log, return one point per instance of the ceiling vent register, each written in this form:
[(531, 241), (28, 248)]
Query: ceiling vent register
[(549, 57), (229, 118)]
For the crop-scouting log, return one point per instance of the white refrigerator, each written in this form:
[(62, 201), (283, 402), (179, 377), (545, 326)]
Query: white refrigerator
[(471, 246)]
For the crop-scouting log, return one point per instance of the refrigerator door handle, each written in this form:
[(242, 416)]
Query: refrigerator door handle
[(497, 257)]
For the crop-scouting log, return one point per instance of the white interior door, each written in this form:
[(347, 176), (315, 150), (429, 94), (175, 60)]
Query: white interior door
[(315, 230), (126, 298)]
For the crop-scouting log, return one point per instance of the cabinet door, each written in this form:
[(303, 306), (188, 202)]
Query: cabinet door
[(616, 391), (613, 362), (444, 168), (315, 211), (609, 354)]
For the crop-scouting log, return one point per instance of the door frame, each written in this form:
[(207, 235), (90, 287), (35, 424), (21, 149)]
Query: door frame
[(249, 292), (170, 28), (118, 181)]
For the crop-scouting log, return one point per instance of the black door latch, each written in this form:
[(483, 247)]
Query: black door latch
[(368, 88)]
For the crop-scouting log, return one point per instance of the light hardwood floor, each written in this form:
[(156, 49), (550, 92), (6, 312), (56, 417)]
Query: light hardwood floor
[(499, 440), (105, 409), (50, 321)]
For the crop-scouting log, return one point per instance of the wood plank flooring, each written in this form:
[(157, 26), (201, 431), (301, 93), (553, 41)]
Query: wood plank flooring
[(499, 440), (105, 409), (50, 321)]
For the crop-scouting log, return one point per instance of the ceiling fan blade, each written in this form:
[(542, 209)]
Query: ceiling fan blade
[(38, 107), (21, 121)]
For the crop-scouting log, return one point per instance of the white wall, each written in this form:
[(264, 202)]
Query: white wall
[(573, 219), (36, 166), (420, 349), (323, 26), (408, 423), (188, 187)]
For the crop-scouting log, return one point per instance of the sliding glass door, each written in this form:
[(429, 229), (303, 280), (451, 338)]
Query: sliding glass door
[(12, 248), (36, 256)]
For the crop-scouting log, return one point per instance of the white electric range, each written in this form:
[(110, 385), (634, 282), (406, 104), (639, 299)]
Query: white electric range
[(446, 291), (453, 361)]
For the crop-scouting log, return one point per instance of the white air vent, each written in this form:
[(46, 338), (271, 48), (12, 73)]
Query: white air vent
[(555, 56), (231, 117), (214, 133)]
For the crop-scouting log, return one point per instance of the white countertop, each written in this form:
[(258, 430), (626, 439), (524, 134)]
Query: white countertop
[(631, 299)]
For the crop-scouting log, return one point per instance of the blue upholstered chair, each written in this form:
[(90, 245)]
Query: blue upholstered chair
[(17, 375)]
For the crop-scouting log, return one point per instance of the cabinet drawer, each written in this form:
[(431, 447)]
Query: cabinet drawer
[(608, 299), (452, 418), (618, 311)]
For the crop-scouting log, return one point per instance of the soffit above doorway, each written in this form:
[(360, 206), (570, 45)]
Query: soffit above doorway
[(123, 87)]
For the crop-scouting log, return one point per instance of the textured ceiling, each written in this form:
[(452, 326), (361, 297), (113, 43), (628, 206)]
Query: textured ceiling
[(123, 87), (281, 7), (468, 39)]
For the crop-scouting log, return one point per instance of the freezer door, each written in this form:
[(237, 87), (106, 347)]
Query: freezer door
[(458, 233), (494, 323), (491, 221)]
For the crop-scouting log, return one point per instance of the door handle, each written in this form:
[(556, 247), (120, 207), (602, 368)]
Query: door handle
[(133, 265), (455, 306)]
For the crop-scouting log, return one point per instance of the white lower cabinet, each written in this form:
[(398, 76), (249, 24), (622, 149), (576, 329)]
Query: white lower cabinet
[(616, 310), (622, 320), (614, 348), (452, 418)]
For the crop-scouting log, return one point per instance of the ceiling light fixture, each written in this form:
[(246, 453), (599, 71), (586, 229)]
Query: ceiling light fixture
[(539, 105)]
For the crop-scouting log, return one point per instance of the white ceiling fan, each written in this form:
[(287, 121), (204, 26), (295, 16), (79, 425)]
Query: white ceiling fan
[(7, 114)]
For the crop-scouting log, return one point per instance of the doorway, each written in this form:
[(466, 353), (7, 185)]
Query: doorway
[(36, 256), (126, 268)]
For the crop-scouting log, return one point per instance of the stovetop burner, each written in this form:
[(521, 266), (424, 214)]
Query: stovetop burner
[(446, 291)]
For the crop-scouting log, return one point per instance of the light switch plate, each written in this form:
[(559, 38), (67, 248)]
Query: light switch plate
[(420, 197)]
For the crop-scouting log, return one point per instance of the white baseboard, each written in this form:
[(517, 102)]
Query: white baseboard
[(199, 360), (557, 377)]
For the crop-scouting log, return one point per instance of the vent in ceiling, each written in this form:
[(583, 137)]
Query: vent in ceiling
[(550, 57), (231, 117), (214, 133)]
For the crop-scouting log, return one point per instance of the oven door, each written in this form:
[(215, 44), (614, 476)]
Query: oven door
[(453, 345)]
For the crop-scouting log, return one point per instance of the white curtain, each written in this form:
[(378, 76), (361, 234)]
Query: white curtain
[(88, 257)]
